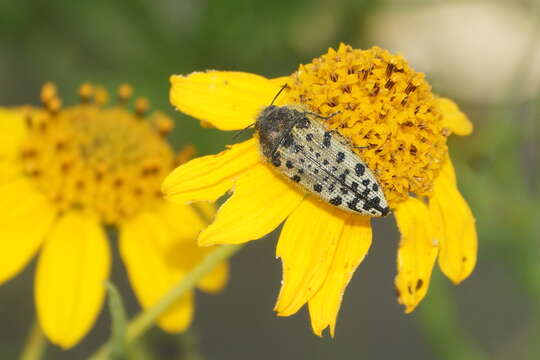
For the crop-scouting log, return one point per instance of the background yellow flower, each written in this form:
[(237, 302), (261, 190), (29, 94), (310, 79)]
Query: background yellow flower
[(68, 172)]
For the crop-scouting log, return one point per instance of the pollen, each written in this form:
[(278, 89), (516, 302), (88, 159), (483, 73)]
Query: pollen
[(106, 159), (384, 108)]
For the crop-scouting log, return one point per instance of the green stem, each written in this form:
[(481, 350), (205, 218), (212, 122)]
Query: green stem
[(35, 344), (145, 320), (190, 346)]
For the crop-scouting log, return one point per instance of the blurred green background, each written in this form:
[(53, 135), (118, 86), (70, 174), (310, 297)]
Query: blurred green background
[(483, 54)]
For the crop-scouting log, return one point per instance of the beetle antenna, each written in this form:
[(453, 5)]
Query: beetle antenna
[(240, 132), (285, 86)]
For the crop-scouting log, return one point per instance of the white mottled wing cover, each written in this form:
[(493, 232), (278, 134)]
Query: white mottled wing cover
[(323, 163)]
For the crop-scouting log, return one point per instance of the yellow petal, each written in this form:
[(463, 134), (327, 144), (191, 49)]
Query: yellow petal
[(184, 221), (10, 170), (261, 201), (149, 272), (447, 170), (352, 248), (455, 228), (306, 247), (416, 254), (206, 210), (12, 131), (226, 99), (182, 251), (454, 119), (214, 281), (184, 256), (209, 177), (25, 218), (72, 267), (180, 316)]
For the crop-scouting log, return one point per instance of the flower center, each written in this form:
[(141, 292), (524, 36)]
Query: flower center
[(108, 160), (384, 108)]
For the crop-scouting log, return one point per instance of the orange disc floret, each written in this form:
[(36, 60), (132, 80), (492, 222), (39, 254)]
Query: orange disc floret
[(386, 110)]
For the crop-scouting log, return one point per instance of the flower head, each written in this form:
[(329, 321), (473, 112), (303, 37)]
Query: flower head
[(393, 121), (384, 108), (91, 157), (66, 172)]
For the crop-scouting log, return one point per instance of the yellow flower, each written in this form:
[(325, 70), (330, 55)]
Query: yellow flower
[(67, 172), (397, 126)]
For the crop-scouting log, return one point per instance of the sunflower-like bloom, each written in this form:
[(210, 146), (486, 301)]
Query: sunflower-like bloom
[(67, 172), (395, 123)]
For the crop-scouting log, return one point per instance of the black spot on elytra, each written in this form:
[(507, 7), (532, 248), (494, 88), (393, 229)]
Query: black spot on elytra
[(317, 187), (353, 203), (303, 123), (332, 187), (372, 203), (289, 164), (366, 182), (302, 160), (309, 137), (296, 178), (340, 157), (326, 139), (342, 178), (344, 190), (316, 171), (334, 168), (366, 192), (325, 179), (354, 186), (347, 172), (297, 148), (336, 200), (359, 169), (375, 187), (300, 171), (276, 159), (325, 162), (318, 154)]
